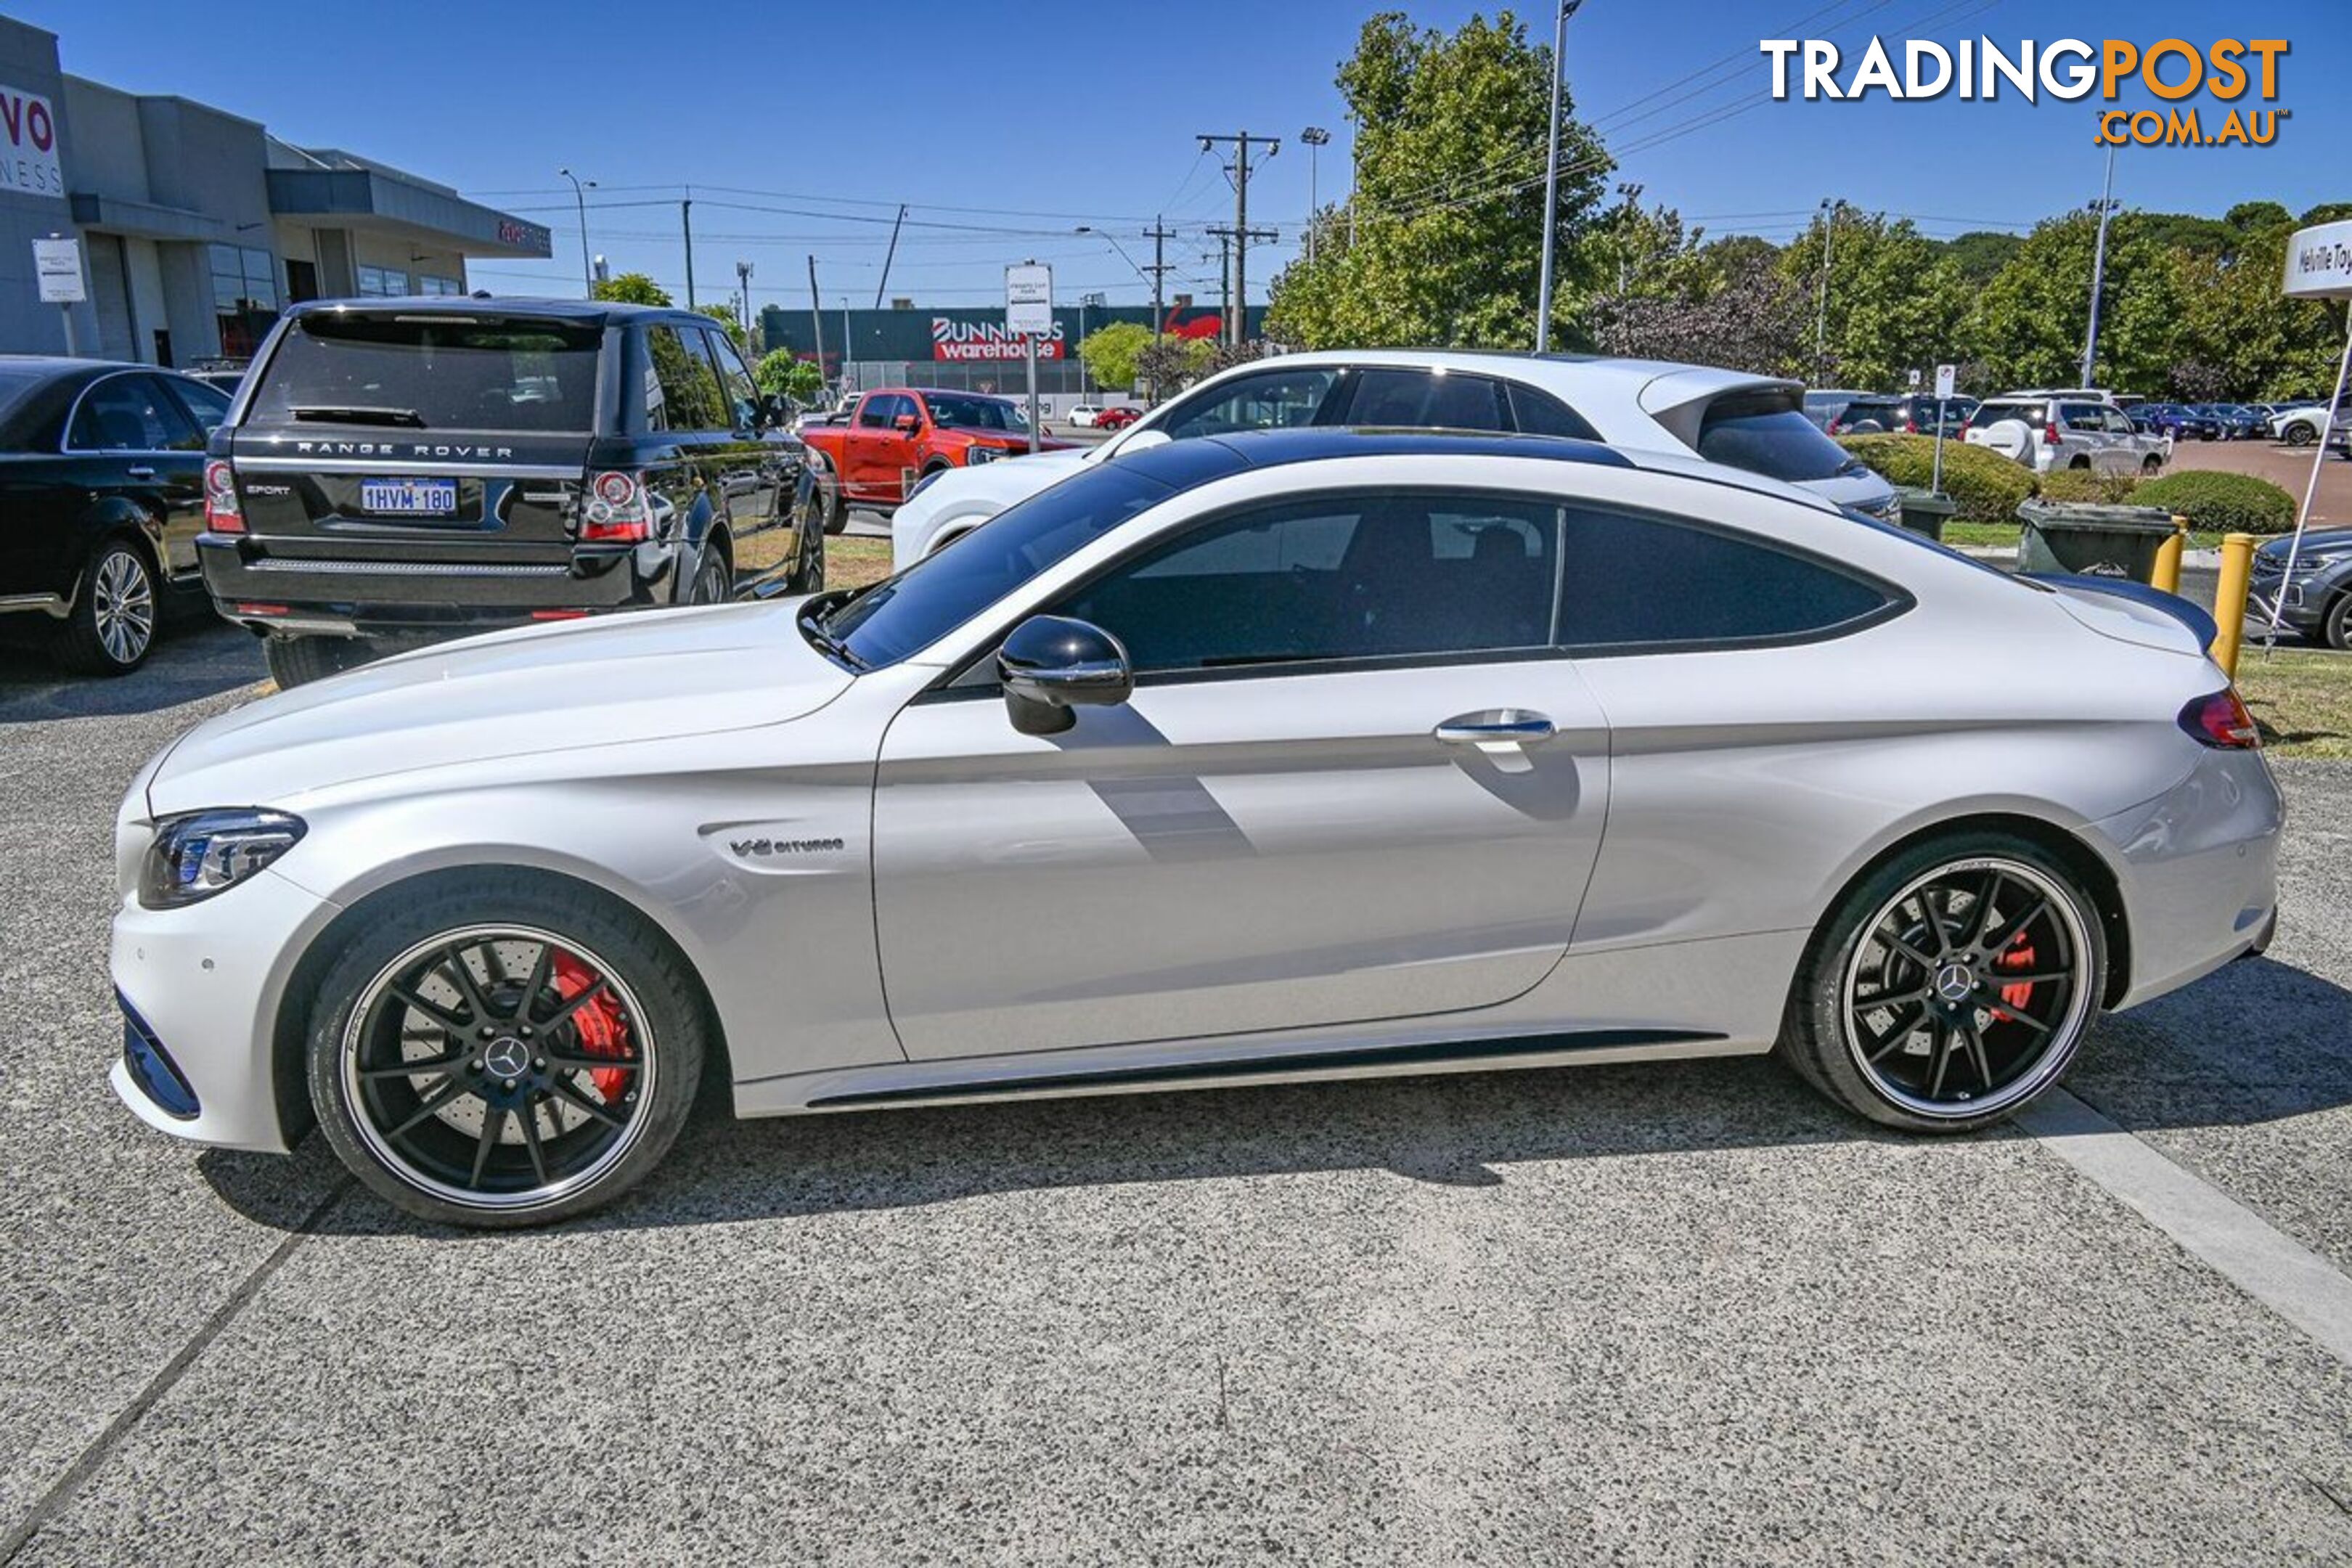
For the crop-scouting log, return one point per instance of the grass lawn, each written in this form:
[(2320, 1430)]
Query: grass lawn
[(2302, 699), (2003, 536), (851, 562)]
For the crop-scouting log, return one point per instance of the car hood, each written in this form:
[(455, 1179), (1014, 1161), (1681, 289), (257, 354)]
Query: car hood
[(648, 677), (2316, 541)]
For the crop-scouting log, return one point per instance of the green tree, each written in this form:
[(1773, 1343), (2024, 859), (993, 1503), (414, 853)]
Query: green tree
[(1109, 353), (1448, 202), (2239, 336), (1171, 363), (1981, 253), (2027, 324), (725, 316), (1893, 303), (631, 288), (798, 379)]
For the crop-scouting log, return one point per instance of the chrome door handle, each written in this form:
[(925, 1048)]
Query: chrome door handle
[(139, 471), (1496, 727)]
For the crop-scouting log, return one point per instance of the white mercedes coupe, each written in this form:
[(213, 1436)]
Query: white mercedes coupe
[(1299, 755)]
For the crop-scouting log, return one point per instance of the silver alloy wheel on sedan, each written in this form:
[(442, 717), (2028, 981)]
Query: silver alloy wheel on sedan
[(122, 606), (499, 1067), (1966, 992)]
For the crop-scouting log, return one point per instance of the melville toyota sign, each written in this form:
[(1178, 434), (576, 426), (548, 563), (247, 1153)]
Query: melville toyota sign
[(966, 337), (28, 145)]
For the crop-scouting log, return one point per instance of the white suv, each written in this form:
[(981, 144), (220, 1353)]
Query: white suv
[(2084, 430), (1750, 422)]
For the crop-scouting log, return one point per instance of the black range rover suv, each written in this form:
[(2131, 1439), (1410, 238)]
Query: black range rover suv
[(396, 472)]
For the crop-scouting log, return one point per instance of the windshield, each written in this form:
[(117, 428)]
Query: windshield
[(975, 414), (907, 613), (1766, 434), (433, 373)]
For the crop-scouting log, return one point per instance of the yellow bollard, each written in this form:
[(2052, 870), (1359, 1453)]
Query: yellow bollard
[(2230, 600), (2166, 575)]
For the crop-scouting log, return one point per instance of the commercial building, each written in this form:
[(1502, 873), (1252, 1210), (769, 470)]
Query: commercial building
[(196, 225), (965, 348)]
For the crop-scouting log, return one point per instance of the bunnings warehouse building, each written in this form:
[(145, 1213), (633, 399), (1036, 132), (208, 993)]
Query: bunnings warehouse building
[(965, 348)]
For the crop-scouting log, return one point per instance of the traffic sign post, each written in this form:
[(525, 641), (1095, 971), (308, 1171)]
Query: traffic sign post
[(2318, 267), (1945, 375), (1029, 315), (56, 267)]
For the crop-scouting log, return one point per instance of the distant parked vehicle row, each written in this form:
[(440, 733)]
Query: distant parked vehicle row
[(101, 497), (1911, 414)]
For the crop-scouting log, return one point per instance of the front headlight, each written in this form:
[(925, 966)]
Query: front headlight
[(202, 853), (977, 454)]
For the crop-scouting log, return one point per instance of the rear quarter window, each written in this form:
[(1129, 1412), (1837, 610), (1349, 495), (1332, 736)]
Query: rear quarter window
[(1635, 582), (1767, 434)]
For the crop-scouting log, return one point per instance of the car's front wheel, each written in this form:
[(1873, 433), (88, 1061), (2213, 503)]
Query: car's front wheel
[(2301, 433), (1953, 985), (504, 1053)]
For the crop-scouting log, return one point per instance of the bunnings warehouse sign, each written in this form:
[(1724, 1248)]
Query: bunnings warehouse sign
[(963, 338), (946, 334)]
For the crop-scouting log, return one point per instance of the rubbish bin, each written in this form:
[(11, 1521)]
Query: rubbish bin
[(1926, 511), (2076, 537)]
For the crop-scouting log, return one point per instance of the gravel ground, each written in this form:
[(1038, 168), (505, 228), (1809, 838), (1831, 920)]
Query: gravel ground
[(1668, 1313)]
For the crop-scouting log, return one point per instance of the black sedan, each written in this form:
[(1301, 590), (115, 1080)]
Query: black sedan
[(101, 497)]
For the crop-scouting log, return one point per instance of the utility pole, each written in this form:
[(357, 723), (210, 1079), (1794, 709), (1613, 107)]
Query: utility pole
[(1237, 298), (2099, 267), (1158, 234), (889, 256), (1829, 210), (816, 317), (587, 273), (1229, 242), (1315, 138), (744, 286), (686, 216), (1552, 173), (845, 341)]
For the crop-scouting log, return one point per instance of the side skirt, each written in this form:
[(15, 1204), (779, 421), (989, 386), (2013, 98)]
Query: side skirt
[(842, 1090)]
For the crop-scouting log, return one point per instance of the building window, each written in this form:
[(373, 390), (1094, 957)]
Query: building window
[(429, 284), (382, 283), (244, 295)]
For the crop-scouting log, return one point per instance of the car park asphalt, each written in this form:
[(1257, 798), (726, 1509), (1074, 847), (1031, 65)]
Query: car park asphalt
[(1679, 1311)]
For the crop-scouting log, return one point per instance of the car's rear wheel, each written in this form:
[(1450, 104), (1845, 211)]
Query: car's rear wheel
[(1953, 986), (296, 661), (808, 558), (714, 579), (2301, 433), (826, 510), (2151, 464), (504, 1057), (112, 627)]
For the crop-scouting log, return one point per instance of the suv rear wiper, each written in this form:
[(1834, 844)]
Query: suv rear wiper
[(356, 414)]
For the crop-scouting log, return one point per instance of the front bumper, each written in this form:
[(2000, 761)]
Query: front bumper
[(207, 980), (313, 593), (2197, 869)]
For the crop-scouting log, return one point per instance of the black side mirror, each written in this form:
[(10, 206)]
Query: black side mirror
[(1051, 664)]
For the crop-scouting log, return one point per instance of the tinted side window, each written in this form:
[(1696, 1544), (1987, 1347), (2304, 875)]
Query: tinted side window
[(742, 393), (1347, 576), (131, 414), (1540, 414), (1275, 400), (2083, 415), (1632, 581), (1425, 400), (684, 393)]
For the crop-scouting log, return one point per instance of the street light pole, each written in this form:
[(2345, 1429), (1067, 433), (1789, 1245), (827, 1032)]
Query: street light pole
[(844, 341), (587, 273), (743, 284), (1315, 136), (1822, 308), (2099, 267), (1551, 170)]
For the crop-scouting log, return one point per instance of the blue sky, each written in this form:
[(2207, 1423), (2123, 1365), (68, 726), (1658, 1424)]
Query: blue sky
[(1006, 125)]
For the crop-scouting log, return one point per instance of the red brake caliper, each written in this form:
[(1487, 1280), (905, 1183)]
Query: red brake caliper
[(2018, 956), (598, 1025)]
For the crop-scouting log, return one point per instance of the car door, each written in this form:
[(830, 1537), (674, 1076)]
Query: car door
[(1353, 783), (876, 448), (133, 439), (687, 420), (753, 476), (2127, 447)]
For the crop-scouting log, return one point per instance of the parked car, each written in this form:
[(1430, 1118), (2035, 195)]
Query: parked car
[(1750, 422), (101, 498), (2315, 599), (2231, 422), (1666, 755), (2301, 425), (1823, 405), (2047, 433), (2177, 420), (1909, 415), (1083, 414), (899, 437), (1117, 418), (399, 472)]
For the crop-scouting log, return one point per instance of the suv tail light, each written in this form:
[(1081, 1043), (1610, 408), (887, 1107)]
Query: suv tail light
[(2050, 433), (224, 514), (2220, 720), (619, 509)]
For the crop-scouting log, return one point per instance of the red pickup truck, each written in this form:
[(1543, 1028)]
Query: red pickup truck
[(897, 436)]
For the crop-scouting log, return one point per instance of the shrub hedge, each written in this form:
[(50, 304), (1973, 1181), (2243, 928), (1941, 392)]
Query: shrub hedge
[(2082, 485), (1988, 487), (2221, 503)]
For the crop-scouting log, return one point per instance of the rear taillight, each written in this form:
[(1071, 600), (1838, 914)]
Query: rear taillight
[(1836, 427), (2220, 720), (2050, 433), (1910, 426), (224, 514), (619, 510)]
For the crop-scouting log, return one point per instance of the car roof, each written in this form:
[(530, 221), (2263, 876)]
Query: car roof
[(1631, 377), (585, 312), (1197, 460)]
